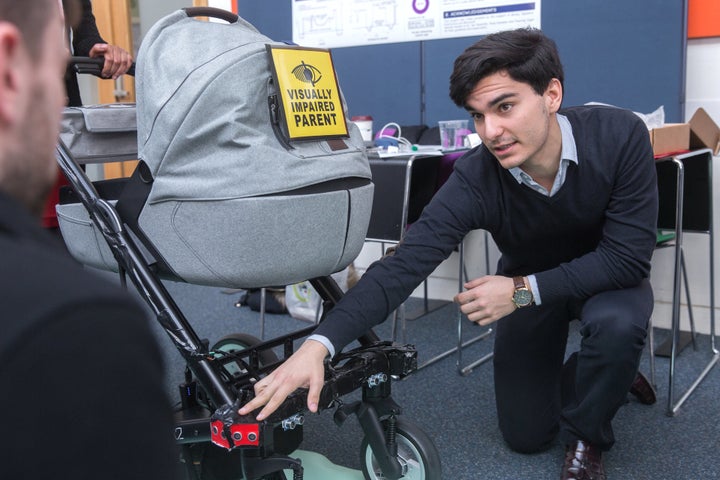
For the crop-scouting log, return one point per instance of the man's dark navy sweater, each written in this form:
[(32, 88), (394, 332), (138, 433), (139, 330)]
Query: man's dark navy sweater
[(596, 233)]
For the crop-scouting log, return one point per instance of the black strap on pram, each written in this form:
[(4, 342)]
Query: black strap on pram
[(129, 206), (211, 12)]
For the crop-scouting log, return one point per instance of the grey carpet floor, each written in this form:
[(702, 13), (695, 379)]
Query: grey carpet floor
[(458, 412)]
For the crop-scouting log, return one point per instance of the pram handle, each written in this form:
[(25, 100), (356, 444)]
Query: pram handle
[(211, 12), (93, 66)]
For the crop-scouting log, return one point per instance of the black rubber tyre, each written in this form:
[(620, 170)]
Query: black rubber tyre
[(416, 452)]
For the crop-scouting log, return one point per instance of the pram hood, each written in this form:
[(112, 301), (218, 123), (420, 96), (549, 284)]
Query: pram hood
[(204, 126), (232, 202)]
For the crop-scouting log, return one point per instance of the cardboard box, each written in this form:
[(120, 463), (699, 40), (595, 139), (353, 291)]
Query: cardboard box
[(700, 132), (670, 138), (704, 132)]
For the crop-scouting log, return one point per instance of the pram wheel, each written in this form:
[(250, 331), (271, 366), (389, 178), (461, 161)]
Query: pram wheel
[(209, 461), (237, 342), (235, 367), (416, 453)]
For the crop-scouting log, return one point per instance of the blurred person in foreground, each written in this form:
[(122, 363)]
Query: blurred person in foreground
[(80, 368)]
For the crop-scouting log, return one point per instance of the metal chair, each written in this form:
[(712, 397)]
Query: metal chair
[(686, 180), (394, 209)]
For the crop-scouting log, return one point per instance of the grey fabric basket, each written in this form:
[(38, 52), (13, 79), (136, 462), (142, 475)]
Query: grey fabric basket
[(82, 238), (94, 134), (232, 204), (100, 133)]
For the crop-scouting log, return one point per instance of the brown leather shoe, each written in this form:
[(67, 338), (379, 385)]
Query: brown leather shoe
[(643, 390), (583, 462)]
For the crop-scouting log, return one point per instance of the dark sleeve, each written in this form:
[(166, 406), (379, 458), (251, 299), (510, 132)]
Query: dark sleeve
[(390, 281), (622, 258), (86, 34), (87, 392)]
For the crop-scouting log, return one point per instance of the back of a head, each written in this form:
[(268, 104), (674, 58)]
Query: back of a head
[(526, 54), (34, 53)]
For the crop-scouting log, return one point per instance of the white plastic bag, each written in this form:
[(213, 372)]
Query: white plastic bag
[(304, 303), (654, 119)]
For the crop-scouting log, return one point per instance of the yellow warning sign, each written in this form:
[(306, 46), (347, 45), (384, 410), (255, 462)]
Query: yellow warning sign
[(309, 92)]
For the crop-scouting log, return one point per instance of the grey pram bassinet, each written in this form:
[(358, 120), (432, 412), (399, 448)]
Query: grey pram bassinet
[(230, 202)]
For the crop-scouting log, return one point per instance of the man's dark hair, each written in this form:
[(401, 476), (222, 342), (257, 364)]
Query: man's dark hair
[(526, 54), (31, 18)]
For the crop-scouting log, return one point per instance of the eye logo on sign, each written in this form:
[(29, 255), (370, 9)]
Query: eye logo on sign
[(309, 94), (307, 73)]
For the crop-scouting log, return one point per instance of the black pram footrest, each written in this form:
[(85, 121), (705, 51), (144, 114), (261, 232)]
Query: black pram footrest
[(365, 367)]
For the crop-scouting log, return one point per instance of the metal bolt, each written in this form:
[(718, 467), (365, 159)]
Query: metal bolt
[(377, 379), (292, 422)]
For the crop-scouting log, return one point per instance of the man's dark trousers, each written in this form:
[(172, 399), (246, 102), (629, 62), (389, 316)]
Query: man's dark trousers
[(539, 394)]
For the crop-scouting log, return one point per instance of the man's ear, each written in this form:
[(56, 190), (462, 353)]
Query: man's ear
[(554, 95), (11, 52)]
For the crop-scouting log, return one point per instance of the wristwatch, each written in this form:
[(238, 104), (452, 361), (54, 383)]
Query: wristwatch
[(522, 296)]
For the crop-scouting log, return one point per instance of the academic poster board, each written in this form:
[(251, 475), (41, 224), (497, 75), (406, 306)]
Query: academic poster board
[(330, 23)]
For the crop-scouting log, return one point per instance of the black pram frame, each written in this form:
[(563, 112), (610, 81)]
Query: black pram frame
[(218, 382)]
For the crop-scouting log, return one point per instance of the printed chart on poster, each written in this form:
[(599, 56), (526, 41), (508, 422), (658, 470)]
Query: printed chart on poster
[(329, 23)]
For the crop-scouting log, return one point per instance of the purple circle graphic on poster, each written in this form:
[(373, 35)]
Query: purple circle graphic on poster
[(420, 6)]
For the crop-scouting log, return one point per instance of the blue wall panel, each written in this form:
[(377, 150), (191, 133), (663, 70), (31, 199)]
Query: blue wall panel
[(626, 53), (382, 81)]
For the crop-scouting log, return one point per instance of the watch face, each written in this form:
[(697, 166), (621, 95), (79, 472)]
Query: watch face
[(522, 297)]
